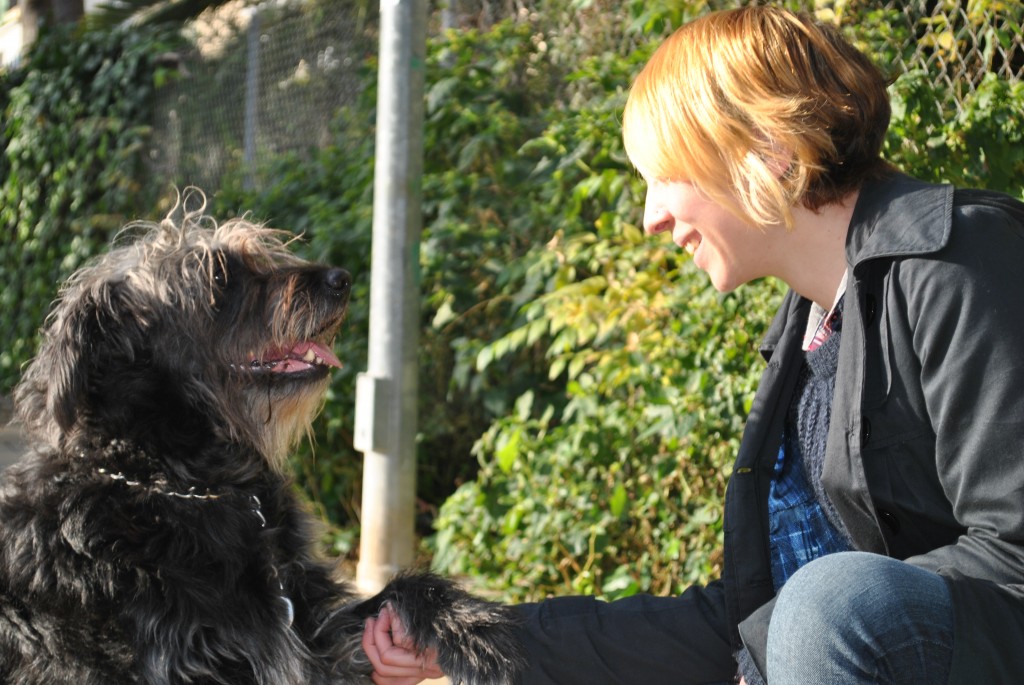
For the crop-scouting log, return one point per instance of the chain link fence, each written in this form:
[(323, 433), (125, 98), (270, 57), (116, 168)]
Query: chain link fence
[(260, 81), (955, 42), (266, 80)]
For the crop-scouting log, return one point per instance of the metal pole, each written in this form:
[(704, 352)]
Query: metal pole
[(252, 88), (386, 395)]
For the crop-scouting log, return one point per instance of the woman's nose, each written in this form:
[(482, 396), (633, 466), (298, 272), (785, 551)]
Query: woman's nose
[(656, 219)]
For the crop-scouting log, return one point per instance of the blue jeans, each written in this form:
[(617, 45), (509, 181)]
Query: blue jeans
[(854, 617)]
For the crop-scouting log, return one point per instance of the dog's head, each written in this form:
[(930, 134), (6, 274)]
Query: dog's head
[(187, 330)]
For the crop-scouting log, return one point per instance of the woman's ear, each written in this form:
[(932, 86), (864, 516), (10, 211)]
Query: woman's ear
[(778, 158)]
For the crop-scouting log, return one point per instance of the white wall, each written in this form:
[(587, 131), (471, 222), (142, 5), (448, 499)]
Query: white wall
[(11, 34), (10, 37)]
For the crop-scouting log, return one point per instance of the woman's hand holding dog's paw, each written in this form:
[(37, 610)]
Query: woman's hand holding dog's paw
[(393, 654), (474, 641)]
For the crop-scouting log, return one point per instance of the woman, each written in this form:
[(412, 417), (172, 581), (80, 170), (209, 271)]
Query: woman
[(874, 521)]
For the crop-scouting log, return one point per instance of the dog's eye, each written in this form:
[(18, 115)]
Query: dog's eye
[(220, 270)]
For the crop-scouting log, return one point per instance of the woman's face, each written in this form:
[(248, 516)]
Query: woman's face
[(731, 251)]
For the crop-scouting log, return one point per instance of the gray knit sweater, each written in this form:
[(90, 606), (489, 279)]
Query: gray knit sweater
[(811, 412), (808, 420)]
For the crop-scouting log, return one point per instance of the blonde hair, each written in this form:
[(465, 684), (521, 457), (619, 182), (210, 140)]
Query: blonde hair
[(761, 109)]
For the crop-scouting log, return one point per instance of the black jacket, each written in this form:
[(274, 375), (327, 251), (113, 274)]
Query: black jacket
[(925, 456)]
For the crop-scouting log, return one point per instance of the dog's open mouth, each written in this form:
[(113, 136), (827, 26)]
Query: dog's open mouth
[(297, 358)]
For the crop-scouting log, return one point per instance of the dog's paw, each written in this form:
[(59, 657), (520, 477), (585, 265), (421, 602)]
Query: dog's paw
[(476, 640)]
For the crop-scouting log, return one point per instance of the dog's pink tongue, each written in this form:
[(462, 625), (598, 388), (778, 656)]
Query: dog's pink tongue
[(305, 355), (322, 351)]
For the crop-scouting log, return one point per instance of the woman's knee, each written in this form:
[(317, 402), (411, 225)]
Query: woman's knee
[(857, 613), (836, 583), (859, 587), (821, 593)]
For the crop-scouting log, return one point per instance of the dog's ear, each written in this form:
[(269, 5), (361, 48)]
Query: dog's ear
[(54, 386), (57, 375)]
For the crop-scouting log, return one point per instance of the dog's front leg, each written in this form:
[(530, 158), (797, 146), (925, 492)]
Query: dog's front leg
[(326, 624)]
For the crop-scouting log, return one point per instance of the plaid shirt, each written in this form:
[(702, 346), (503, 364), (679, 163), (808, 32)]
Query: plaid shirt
[(798, 529)]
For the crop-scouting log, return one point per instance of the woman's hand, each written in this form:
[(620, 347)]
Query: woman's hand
[(392, 653)]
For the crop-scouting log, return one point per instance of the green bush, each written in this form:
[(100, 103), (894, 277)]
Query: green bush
[(71, 168), (982, 146), (606, 473), (618, 488)]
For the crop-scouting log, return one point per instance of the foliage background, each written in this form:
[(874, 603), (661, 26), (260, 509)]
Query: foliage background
[(74, 122), (583, 388)]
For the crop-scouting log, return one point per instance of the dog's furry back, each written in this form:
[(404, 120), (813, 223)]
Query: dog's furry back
[(152, 535)]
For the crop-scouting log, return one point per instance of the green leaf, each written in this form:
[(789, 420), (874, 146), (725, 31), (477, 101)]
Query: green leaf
[(617, 502), (508, 451)]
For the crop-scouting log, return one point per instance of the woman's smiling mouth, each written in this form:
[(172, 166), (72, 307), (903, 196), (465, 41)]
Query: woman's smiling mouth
[(688, 240)]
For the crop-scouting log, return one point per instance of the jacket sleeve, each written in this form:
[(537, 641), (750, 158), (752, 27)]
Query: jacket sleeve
[(966, 311), (640, 639)]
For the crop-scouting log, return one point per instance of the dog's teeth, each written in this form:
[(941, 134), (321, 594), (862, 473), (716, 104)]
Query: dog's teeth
[(255, 363), (310, 356)]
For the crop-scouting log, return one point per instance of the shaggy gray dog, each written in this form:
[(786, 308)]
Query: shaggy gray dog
[(152, 535)]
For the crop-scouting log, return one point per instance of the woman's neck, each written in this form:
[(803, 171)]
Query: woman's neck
[(815, 258)]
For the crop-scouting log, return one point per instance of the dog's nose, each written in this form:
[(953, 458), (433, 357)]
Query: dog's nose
[(339, 281)]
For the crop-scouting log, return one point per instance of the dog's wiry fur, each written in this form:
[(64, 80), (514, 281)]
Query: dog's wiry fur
[(152, 535)]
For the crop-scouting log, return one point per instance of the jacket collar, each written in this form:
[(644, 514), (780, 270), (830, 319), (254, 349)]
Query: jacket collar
[(894, 216), (899, 216)]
